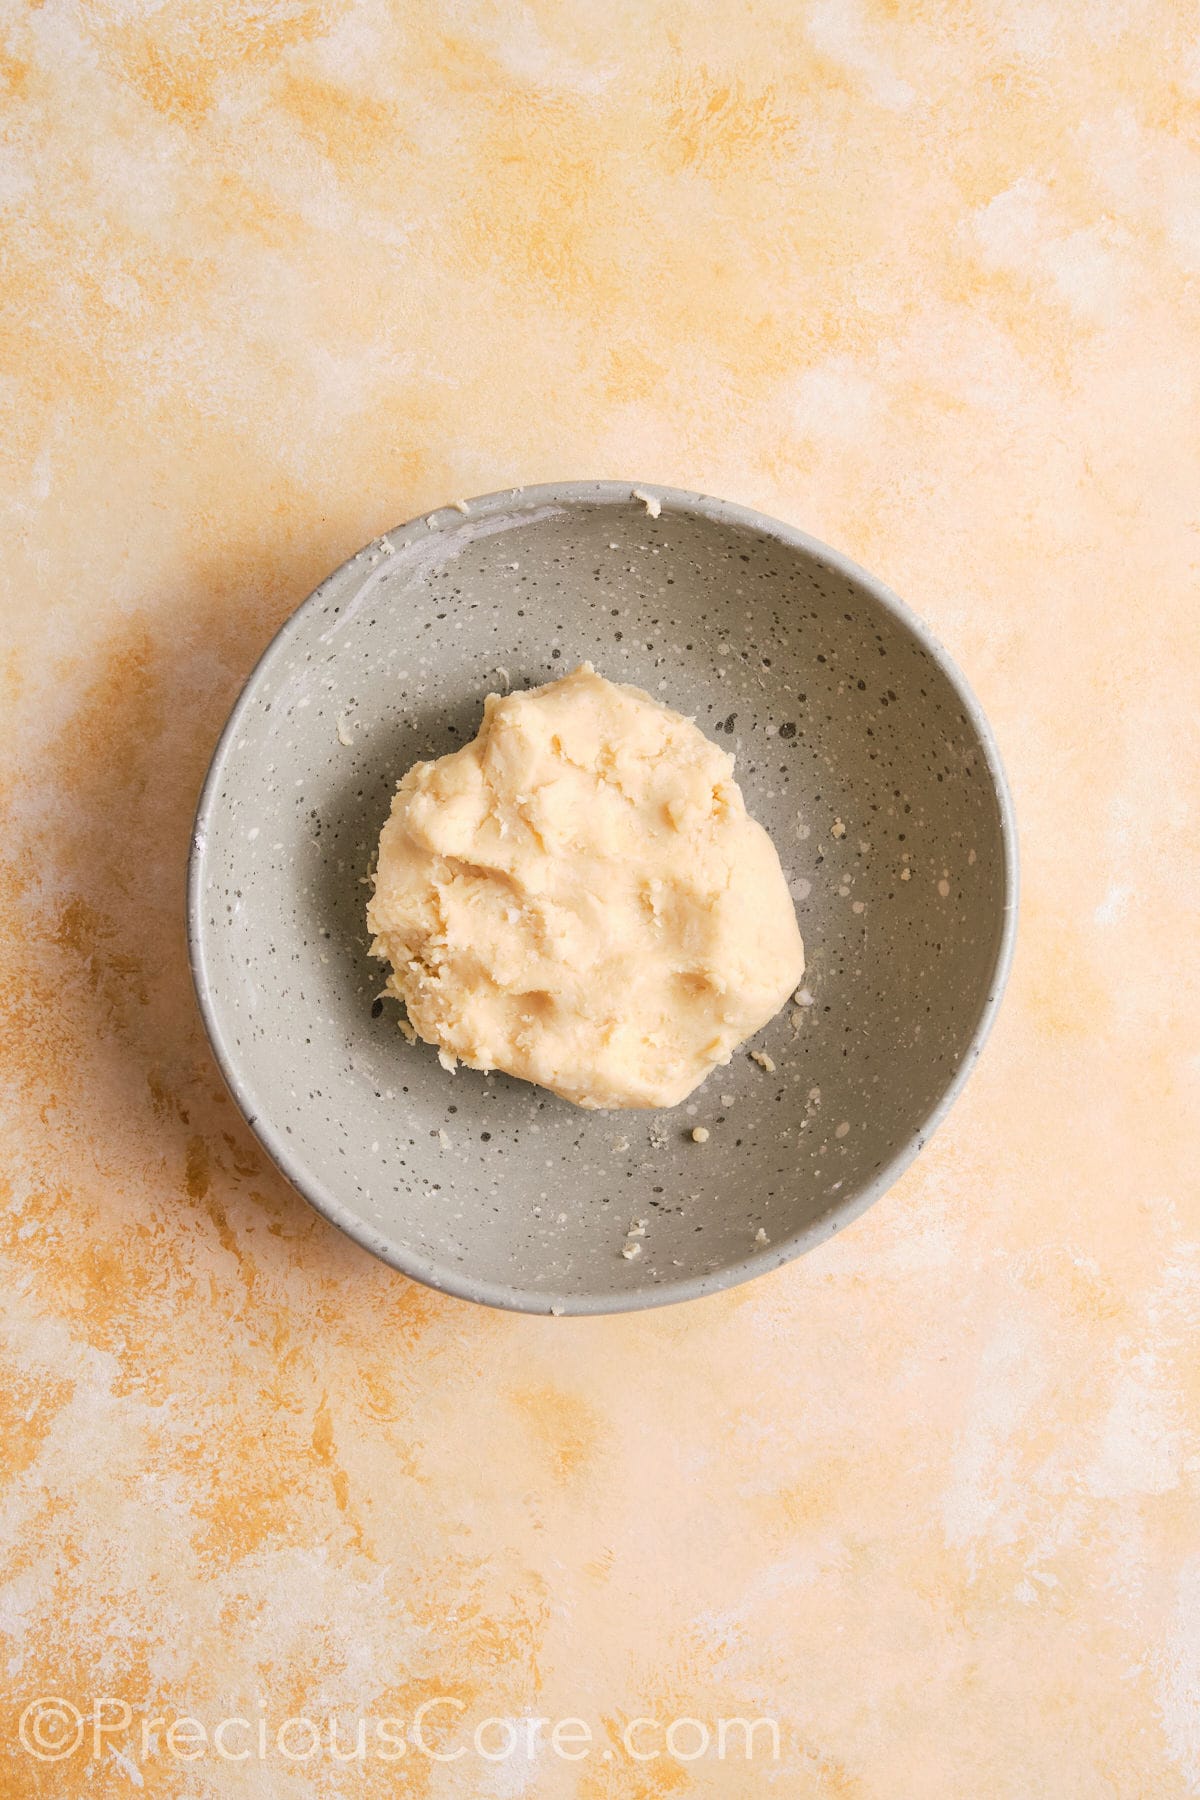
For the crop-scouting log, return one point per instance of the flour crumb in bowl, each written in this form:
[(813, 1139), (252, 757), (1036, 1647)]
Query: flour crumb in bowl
[(632, 1247), (764, 1059), (651, 502)]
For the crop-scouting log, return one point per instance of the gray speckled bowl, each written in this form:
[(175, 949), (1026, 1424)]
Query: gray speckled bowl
[(858, 746)]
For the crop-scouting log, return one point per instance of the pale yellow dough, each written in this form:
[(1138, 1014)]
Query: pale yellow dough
[(580, 898)]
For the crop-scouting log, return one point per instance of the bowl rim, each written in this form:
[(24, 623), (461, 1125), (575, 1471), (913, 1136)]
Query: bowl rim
[(441, 1276)]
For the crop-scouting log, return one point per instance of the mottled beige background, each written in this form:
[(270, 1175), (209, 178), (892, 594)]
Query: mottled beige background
[(922, 278)]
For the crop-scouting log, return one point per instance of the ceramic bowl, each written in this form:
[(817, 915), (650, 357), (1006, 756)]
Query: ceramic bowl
[(858, 746)]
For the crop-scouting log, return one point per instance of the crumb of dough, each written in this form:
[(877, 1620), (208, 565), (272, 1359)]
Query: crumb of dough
[(444, 1139), (651, 502), (460, 506), (637, 1229), (630, 1251), (760, 1236), (906, 874), (409, 1035), (343, 733), (579, 898), (839, 830), (763, 1060), (699, 1134), (556, 1312)]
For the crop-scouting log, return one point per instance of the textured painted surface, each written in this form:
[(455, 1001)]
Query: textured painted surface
[(923, 279)]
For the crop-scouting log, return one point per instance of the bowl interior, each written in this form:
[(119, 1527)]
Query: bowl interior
[(855, 747)]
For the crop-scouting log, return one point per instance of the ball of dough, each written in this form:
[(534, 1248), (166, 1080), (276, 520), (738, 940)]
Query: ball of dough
[(580, 898)]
